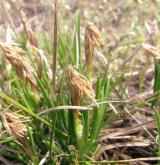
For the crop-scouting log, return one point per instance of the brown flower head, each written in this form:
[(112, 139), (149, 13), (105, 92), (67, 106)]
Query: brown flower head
[(30, 34), (14, 123), (20, 63), (80, 86), (92, 38), (93, 34)]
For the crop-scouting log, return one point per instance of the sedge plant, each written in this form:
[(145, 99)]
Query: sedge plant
[(45, 123)]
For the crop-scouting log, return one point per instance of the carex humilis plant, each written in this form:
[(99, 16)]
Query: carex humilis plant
[(51, 121)]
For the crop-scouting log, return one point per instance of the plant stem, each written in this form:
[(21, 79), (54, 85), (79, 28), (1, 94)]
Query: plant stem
[(55, 44)]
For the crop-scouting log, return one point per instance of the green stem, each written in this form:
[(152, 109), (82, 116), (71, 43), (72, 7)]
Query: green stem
[(155, 102)]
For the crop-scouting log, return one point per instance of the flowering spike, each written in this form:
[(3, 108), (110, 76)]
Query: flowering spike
[(20, 63), (80, 86), (92, 38), (14, 123), (30, 34)]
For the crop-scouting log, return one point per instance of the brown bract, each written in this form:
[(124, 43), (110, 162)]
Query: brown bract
[(80, 86), (20, 63)]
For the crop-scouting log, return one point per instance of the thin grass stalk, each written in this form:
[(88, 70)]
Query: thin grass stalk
[(55, 43), (156, 88), (54, 63), (157, 117), (78, 31)]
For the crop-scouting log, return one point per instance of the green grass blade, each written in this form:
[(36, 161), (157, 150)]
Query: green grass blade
[(26, 110)]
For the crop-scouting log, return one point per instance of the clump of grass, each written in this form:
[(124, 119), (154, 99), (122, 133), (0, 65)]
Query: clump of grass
[(65, 121), (67, 135)]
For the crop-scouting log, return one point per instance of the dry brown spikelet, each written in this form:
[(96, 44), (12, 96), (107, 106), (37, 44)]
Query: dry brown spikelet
[(14, 123), (20, 63), (80, 86), (92, 38), (94, 35), (30, 34)]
